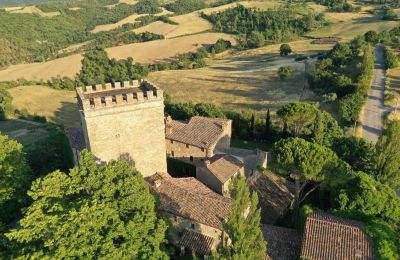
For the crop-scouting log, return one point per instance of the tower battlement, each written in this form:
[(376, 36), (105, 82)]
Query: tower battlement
[(117, 94), (125, 121)]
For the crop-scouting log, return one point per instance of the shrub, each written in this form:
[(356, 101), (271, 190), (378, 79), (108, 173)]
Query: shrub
[(285, 49), (284, 72), (391, 59), (329, 98)]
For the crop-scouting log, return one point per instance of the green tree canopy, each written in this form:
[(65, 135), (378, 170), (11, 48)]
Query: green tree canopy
[(325, 129), (284, 72), (357, 152), (15, 178), (91, 212), (298, 116), (285, 49), (304, 162), (243, 225), (388, 157)]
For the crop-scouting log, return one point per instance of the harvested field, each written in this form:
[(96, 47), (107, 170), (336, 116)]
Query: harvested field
[(349, 25), (153, 51), (68, 66), (30, 10), (192, 23), (129, 19), (56, 105), (246, 80)]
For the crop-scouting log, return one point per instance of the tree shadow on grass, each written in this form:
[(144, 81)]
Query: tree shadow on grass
[(67, 115)]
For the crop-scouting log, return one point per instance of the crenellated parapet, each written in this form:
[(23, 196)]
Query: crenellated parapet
[(117, 94)]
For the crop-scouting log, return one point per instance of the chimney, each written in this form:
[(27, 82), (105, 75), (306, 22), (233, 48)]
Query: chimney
[(168, 125)]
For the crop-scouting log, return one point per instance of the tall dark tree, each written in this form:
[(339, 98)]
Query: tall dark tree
[(243, 225), (268, 124)]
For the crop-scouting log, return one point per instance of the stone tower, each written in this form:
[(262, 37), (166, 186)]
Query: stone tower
[(125, 121)]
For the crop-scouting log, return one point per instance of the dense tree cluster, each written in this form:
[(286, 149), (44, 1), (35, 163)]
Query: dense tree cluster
[(104, 211), (97, 68), (32, 38), (256, 27), (336, 73), (345, 192), (185, 6), (339, 5)]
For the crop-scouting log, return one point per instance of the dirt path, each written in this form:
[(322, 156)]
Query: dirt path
[(375, 109)]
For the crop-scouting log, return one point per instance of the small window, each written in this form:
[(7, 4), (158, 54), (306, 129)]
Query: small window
[(114, 99), (193, 225), (191, 158), (91, 101), (172, 141), (187, 146), (124, 97), (103, 101), (202, 149), (172, 153)]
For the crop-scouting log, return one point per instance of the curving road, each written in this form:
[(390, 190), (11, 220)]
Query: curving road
[(375, 109)]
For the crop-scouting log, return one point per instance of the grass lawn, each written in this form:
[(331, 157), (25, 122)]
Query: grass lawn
[(251, 145)]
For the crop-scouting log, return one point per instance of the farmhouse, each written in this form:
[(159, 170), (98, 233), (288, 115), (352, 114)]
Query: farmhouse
[(195, 212), (197, 139), (217, 172)]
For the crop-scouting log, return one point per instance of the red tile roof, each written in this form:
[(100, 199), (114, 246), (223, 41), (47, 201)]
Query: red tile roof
[(197, 242), (201, 132), (329, 237), (224, 166), (190, 199), (275, 194), (282, 243)]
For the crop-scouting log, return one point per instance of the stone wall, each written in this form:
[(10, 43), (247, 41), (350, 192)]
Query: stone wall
[(179, 224), (129, 129), (184, 151)]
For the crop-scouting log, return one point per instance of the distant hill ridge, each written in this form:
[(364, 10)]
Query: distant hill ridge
[(12, 3)]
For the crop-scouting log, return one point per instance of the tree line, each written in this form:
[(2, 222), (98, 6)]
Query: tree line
[(255, 27)]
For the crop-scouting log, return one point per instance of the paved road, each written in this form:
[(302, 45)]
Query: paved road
[(374, 109)]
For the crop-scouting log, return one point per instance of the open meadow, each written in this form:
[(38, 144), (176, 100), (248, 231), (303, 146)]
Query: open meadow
[(244, 80), (57, 106)]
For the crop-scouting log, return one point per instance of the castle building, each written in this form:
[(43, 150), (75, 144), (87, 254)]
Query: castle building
[(125, 121)]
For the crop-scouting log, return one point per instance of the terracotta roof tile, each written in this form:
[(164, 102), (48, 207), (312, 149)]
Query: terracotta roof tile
[(282, 243), (329, 237), (202, 132), (224, 166), (189, 198), (197, 242), (275, 195)]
